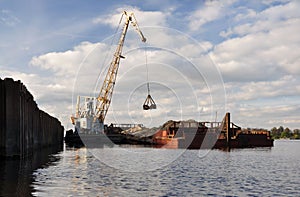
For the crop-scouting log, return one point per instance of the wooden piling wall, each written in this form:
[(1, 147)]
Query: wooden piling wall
[(23, 126)]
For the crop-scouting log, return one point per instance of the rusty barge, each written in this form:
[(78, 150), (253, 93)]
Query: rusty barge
[(201, 135), (190, 134)]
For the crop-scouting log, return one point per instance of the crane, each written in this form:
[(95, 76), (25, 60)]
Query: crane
[(89, 118), (105, 95)]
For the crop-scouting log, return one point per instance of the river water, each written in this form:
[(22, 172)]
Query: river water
[(81, 172)]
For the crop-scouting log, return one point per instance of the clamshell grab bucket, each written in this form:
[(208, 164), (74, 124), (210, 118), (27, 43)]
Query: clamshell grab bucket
[(149, 103)]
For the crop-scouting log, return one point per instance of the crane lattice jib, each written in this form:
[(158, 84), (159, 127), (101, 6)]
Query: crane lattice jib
[(105, 95)]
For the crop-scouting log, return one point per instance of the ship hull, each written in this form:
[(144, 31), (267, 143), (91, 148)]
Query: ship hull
[(212, 140), (96, 140)]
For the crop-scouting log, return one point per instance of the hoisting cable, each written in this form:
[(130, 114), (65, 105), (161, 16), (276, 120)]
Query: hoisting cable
[(148, 86), (149, 102)]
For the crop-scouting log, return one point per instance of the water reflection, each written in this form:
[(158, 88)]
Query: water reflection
[(240, 172), (16, 174)]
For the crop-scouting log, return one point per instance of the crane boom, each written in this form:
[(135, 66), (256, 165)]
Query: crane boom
[(105, 95)]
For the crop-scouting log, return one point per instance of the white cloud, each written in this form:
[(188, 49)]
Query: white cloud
[(65, 63), (274, 52), (282, 11), (262, 22), (210, 11), (285, 86), (144, 18), (247, 14), (55, 87), (267, 115)]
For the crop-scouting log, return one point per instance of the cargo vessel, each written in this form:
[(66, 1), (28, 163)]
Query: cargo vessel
[(202, 135), (188, 134)]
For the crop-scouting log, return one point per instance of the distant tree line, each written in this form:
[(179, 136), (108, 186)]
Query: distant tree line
[(280, 132)]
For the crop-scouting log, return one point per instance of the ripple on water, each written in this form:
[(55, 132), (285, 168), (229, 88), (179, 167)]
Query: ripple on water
[(244, 172)]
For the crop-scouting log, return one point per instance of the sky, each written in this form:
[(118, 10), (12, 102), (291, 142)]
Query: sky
[(201, 58)]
